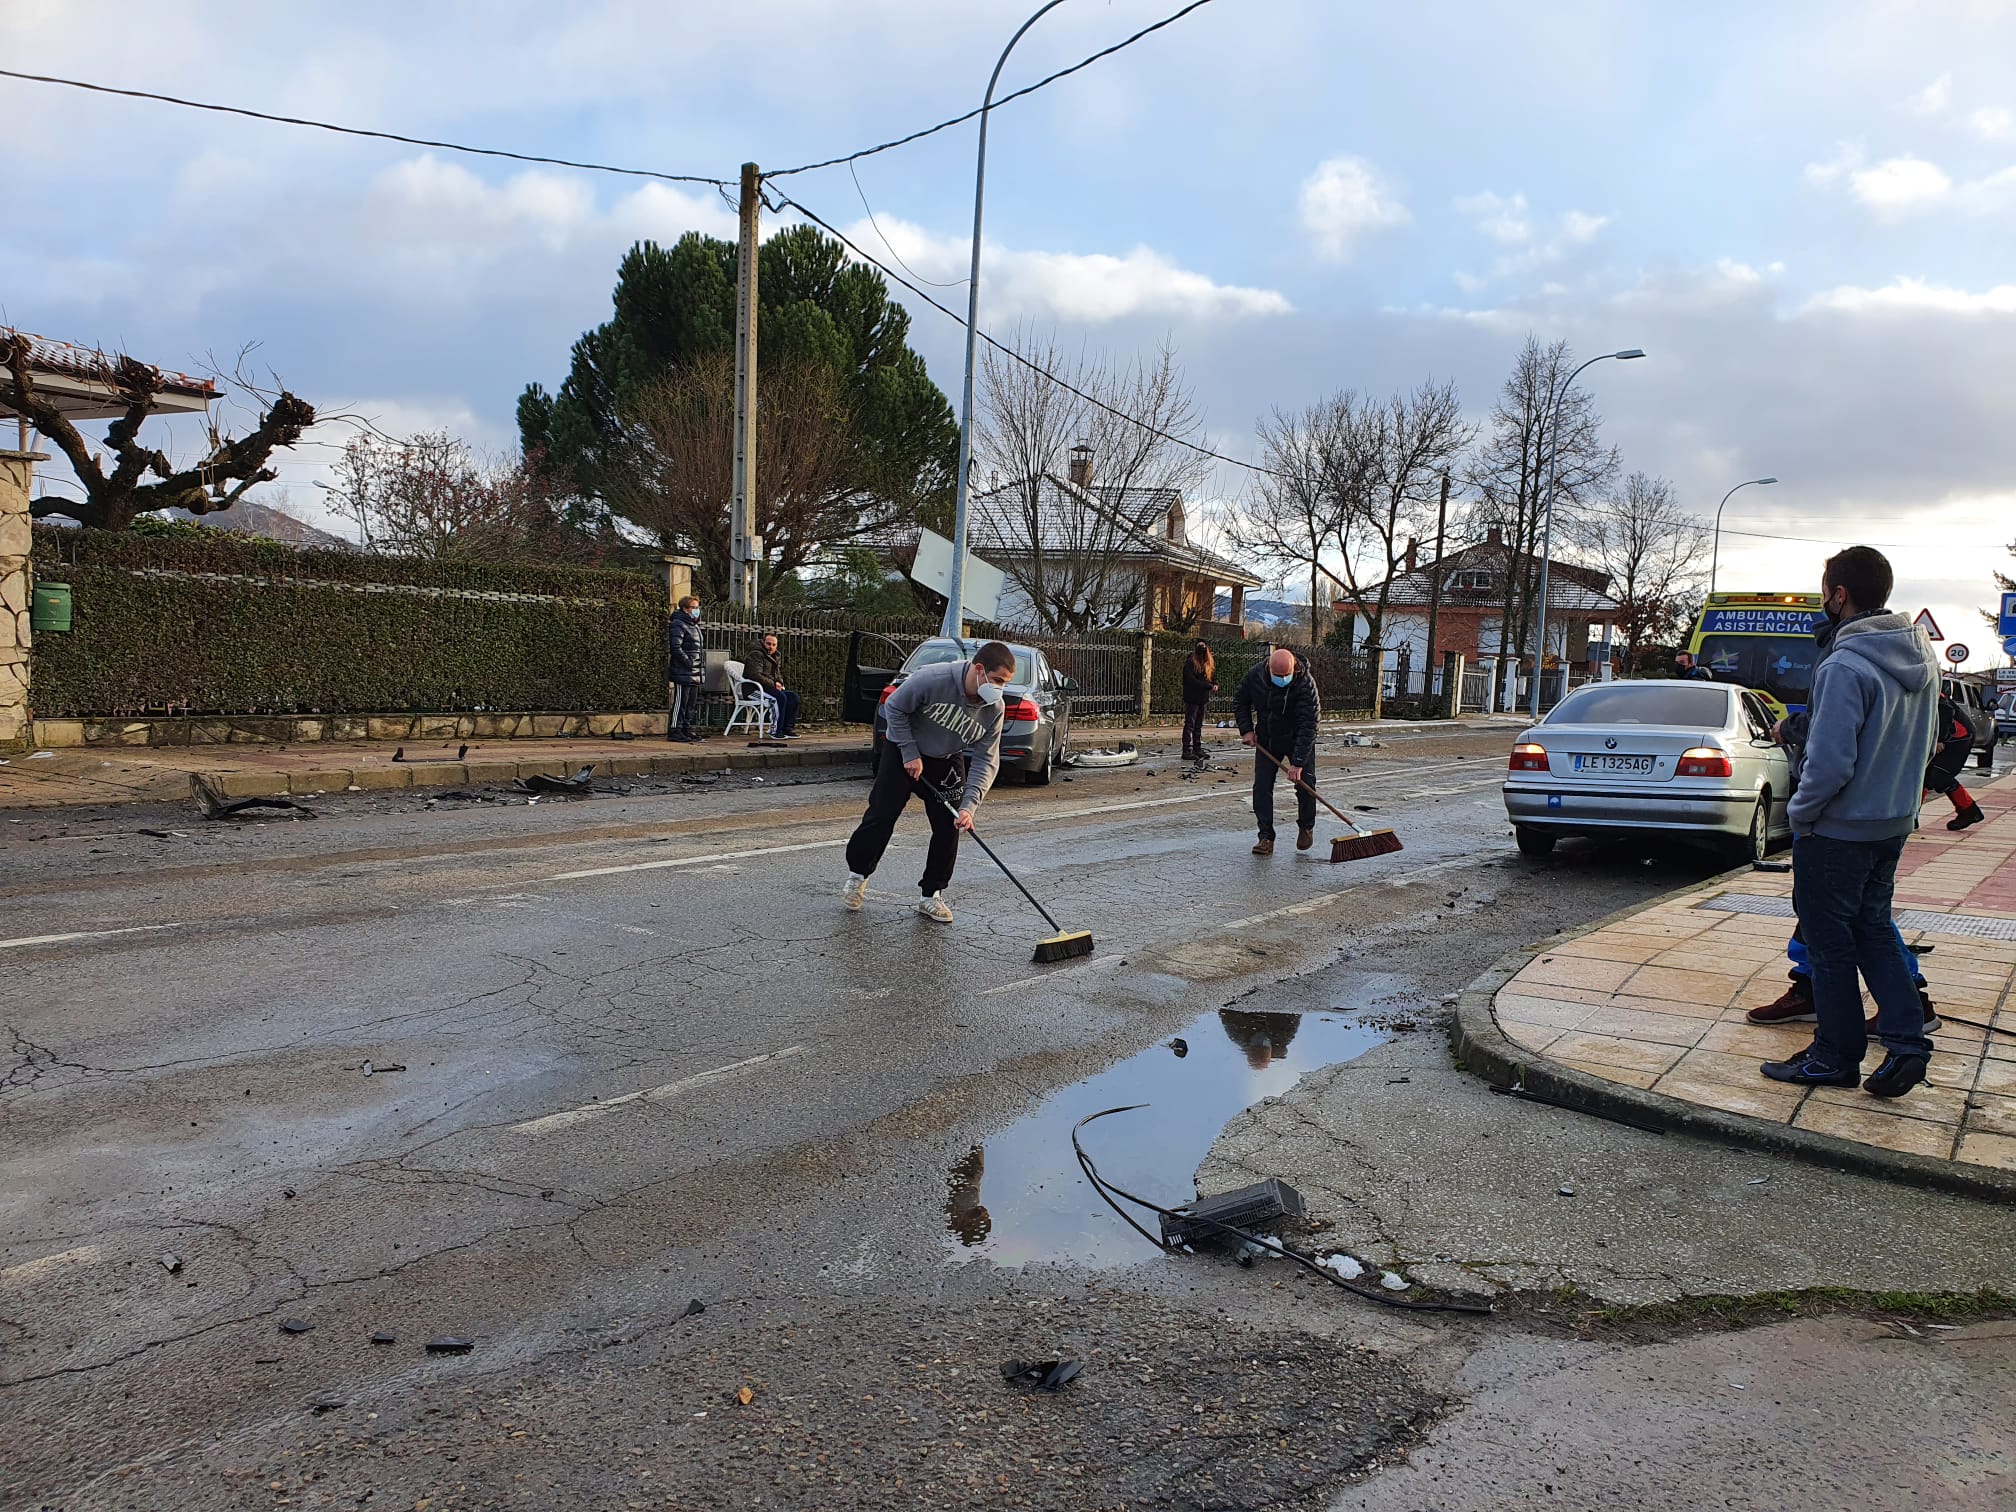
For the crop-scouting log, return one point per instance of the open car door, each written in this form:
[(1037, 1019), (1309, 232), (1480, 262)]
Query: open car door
[(861, 692)]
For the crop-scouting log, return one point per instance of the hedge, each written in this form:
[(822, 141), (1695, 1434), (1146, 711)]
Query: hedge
[(212, 623)]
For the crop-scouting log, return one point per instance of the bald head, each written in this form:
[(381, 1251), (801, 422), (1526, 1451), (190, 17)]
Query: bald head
[(1281, 663)]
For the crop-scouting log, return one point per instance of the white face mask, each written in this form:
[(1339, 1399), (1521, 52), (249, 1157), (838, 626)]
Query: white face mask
[(990, 692)]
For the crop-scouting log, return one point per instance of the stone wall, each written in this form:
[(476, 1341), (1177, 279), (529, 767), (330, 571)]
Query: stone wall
[(16, 541), (304, 729)]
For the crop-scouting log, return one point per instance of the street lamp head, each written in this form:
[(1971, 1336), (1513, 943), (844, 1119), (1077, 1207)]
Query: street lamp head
[(1767, 480), (1628, 353)]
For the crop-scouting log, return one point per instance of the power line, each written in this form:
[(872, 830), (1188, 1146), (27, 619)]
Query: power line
[(359, 131), (957, 283), (1013, 355), (918, 136)]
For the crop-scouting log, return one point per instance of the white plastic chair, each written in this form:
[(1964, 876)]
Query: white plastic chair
[(751, 703)]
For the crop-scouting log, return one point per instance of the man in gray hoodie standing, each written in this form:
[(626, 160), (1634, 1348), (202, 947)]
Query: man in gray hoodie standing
[(940, 718), (1869, 734)]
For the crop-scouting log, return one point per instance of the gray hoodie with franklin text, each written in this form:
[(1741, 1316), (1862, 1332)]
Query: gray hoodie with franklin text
[(929, 714)]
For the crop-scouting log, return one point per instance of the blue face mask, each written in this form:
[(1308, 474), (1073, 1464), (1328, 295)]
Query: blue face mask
[(1280, 681)]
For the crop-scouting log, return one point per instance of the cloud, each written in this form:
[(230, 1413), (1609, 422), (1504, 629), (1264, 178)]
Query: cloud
[(1093, 287), (1509, 221), (1993, 123), (1935, 99), (1344, 201), (1900, 185), (1916, 296), (1848, 156)]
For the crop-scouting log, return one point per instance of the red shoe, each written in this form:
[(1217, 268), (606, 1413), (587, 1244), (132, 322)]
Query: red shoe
[(1795, 1007)]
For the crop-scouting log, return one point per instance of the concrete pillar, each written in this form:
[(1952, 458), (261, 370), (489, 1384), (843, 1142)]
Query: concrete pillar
[(676, 573), (1452, 683), (1238, 610), (1147, 676), (17, 541)]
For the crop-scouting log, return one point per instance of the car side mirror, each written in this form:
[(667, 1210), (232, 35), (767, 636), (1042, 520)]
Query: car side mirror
[(1067, 685)]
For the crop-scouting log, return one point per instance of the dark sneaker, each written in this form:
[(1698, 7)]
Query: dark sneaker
[(1932, 1023), (1795, 1007), (1263, 847), (1969, 815), (1805, 1071), (1304, 838), (1897, 1075)]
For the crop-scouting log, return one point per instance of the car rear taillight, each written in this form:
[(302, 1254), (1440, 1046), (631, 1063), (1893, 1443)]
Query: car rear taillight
[(1527, 757), (1014, 709), (1704, 761), (885, 694)]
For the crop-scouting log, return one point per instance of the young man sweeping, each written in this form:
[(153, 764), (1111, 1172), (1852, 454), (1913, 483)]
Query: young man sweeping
[(944, 722)]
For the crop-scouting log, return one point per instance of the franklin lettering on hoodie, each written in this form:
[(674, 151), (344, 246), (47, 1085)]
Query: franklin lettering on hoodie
[(930, 715), (1869, 732)]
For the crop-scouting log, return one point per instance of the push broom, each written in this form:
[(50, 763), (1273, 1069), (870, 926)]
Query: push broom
[(1062, 945), (1356, 846)]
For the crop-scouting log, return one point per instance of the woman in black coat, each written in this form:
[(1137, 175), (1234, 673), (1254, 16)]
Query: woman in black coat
[(1198, 687)]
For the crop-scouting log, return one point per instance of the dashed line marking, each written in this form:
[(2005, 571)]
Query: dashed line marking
[(82, 934), (588, 1112)]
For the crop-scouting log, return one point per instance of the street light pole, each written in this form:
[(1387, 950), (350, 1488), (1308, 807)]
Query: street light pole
[(1715, 561), (955, 590), (1547, 527)]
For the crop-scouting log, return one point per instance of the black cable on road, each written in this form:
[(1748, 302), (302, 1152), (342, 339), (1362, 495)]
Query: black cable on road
[(918, 136), (358, 131), (1103, 1187)]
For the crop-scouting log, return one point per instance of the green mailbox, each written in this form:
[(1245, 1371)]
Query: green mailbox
[(49, 613)]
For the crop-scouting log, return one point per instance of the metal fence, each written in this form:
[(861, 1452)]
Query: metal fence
[(1345, 680), (1231, 663), (1105, 664)]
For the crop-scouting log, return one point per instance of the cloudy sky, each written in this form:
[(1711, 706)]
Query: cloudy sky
[(1805, 212)]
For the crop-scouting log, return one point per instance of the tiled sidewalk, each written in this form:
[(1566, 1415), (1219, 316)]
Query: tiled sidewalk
[(1656, 1000)]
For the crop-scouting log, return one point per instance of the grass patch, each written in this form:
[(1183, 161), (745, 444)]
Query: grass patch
[(1570, 1308)]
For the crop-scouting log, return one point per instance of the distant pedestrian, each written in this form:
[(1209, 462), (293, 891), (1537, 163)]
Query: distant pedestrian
[(1684, 666), (686, 665), (1276, 710), (1199, 668), (1871, 711), (765, 670), (1953, 744), (943, 736)]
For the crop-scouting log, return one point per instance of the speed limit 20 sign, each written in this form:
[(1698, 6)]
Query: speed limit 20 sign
[(1956, 653)]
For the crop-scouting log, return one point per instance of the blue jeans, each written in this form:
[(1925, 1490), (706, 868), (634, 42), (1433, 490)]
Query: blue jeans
[(1842, 890), (785, 703), (1802, 966)]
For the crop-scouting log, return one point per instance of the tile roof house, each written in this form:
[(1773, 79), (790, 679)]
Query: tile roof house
[(1470, 615)]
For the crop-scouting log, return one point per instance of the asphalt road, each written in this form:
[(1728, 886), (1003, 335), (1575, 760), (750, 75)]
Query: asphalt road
[(630, 1053)]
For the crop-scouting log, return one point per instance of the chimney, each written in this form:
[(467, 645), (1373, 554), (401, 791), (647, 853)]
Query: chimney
[(1081, 465), (1494, 537), (1413, 548)]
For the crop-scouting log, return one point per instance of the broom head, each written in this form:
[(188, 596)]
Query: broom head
[(1062, 947), (1382, 842)]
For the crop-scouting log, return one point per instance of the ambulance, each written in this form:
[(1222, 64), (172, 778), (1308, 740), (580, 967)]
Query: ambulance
[(1763, 641)]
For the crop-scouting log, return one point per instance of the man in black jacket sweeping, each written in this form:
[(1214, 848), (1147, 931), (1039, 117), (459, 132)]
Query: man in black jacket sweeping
[(1276, 710)]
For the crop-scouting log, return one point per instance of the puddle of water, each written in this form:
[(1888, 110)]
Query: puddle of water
[(1021, 1197)]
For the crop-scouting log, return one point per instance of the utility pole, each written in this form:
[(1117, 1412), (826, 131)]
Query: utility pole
[(745, 551), (1435, 582)]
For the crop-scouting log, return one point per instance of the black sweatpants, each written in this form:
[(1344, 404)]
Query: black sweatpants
[(886, 802), (1942, 774), (1264, 773), (1193, 727), (685, 699)]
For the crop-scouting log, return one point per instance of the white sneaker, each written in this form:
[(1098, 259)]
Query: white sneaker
[(854, 892), (935, 907)]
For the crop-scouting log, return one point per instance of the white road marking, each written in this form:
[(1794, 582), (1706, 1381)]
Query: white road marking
[(82, 934), (1024, 984), (638, 866), (588, 1112), (1310, 905)]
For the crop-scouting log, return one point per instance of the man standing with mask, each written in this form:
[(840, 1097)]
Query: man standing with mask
[(686, 661), (1868, 737), (944, 728), (1276, 709)]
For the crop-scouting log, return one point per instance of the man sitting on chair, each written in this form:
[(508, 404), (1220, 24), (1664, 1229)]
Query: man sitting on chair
[(764, 669)]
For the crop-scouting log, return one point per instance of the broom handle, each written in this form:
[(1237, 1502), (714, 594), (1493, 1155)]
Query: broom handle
[(1355, 825), (1055, 927)]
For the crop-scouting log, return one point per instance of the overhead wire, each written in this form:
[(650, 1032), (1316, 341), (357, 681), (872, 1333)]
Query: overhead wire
[(960, 120), (359, 131), (957, 283)]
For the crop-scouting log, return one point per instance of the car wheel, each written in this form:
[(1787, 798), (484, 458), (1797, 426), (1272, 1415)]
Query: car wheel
[(1534, 842), (1759, 846), (1984, 759), (1040, 777)]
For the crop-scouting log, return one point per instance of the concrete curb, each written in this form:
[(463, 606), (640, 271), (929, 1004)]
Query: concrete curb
[(450, 774), (1483, 1049)]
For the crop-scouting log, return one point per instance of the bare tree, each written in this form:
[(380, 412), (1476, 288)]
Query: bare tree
[(431, 496), (1292, 511), (113, 500), (1655, 554), (1506, 474), (1405, 447), (1068, 546), (680, 464)]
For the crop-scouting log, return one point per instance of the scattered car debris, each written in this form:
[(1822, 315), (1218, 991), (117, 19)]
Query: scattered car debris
[(1344, 1265), (1181, 1046), (450, 1344), (1566, 1191), (382, 1337), (745, 1396), (42, 756), (1253, 1207), (164, 834), (327, 1404), (295, 1325), (215, 806), (372, 1068), (1124, 754), (1044, 1375), (288, 1193), (1353, 738), (1394, 1282), (1771, 866), (694, 1308), (558, 787), (171, 1263)]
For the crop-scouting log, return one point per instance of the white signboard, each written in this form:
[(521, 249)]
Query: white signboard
[(979, 595)]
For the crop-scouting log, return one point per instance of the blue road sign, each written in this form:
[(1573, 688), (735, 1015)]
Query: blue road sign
[(2005, 623), (2009, 645)]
